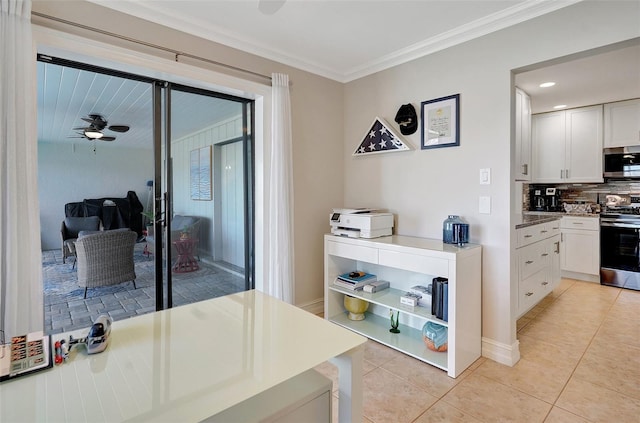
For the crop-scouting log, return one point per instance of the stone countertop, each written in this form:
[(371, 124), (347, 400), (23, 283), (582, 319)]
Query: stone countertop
[(534, 218)]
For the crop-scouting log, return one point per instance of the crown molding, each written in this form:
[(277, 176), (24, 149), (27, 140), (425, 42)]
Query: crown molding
[(521, 12)]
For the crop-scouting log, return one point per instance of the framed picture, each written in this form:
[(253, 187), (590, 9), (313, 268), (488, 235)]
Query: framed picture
[(440, 122), (200, 174)]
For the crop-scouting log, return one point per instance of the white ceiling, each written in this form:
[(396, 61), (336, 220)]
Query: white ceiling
[(339, 39), (594, 79), (342, 40), (66, 95)]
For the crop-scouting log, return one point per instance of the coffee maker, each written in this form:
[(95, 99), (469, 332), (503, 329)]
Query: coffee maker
[(553, 199), (538, 200)]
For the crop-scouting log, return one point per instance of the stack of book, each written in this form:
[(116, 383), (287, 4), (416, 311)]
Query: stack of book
[(354, 280), (440, 298)]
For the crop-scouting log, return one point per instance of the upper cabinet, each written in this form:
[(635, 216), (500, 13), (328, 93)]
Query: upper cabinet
[(523, 136), (622, 123), (567, 146)]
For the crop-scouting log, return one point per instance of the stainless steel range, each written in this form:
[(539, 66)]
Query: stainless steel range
[(620, 245)]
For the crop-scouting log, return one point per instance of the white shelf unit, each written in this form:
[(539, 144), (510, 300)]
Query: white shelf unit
[(404, 262)]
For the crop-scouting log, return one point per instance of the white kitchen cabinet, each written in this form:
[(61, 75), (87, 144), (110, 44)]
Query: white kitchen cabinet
[(405, 262), (523, 136), (538, 256), (580, 246), (622, 123), (567, 146)]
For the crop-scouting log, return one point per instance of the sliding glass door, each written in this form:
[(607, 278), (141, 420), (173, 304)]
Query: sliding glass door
[(170, 162), (205, 195)]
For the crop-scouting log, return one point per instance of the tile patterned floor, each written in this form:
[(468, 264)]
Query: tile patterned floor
[(66, 311), (580, 363)]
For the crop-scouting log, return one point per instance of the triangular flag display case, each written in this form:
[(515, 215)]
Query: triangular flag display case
[(380, 138)]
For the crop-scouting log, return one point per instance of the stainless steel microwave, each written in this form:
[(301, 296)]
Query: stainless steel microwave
[(622, 163)]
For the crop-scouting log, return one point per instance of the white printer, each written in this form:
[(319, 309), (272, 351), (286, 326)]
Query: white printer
[(360, 223)]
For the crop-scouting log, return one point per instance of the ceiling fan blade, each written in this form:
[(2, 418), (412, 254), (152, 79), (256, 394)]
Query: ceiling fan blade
[(106, 139), (119, 128)]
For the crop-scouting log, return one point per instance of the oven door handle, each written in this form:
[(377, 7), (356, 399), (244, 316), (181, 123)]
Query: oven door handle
[(619, 225)]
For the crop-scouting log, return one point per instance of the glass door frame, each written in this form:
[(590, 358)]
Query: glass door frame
[(163, 198)]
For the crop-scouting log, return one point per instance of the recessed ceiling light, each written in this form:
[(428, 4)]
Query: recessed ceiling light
[(560, 106), (547, 84)]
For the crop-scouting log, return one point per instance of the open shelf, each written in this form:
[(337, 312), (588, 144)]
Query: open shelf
[(409, 340), (405, 262), (390, 298)]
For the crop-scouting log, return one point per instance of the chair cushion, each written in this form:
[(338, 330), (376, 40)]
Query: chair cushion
[(76, 224), (179, 222)]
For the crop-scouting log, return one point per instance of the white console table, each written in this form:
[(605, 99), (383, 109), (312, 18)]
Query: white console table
[(190, 363)]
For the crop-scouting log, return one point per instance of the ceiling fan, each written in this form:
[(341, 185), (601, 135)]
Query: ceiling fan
[(97, 125)]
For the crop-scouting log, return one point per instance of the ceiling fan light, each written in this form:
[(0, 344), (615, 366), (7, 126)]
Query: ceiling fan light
[(93, 134)]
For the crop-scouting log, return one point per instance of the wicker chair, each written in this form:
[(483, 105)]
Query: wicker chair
[(105, 258), (69, 230)]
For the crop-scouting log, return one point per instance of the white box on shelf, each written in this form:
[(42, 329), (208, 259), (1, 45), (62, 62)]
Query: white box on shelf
[(410, 299)]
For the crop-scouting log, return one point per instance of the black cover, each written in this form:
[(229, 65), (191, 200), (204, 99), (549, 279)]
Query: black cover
[(125, 214)]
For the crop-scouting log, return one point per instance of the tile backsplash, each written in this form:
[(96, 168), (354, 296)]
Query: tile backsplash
[(586, 193)]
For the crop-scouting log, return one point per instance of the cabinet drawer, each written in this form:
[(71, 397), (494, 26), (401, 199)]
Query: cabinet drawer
[(531, 259), (354, 252), (530, 290), (529, 235), (575, 222), (428, 265), (538, 232)]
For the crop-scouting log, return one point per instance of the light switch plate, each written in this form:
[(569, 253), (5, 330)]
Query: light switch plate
[(484, 205), (485, 176)]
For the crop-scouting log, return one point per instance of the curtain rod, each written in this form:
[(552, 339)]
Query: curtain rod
[(158, 47)]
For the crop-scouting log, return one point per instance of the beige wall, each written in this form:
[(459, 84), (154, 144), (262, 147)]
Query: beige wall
[(423, 186), (317, 124), (420, 187)]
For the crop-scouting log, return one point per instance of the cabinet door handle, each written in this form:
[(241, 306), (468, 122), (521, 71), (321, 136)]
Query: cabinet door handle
[(545, 283), (543, 232), (557, 247), (545, 254), (561, 174), (528, 262), (528, 294), (566, 173), (525, 169), (528, 236)]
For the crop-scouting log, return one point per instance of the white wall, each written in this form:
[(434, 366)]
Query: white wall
[(423, 186), (71, 172), (181, 154)]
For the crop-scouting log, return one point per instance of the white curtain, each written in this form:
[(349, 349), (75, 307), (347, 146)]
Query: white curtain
[(280, 276), (21, 308)]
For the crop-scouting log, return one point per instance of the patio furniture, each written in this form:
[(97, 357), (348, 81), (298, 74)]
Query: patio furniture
[(105, 258), (69, 230), (179, 224), (114, 212)]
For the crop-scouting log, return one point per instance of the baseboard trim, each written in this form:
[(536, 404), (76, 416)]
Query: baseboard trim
[(581, 276), (313, 307), (501, 353)]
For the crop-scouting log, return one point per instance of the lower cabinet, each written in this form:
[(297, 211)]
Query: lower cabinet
[(405, 262), (538, 256), (580, 247)]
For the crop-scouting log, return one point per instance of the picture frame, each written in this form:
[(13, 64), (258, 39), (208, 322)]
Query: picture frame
[(200, 174), (440, 125)]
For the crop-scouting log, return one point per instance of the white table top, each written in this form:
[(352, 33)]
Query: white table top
[(182, 364)]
